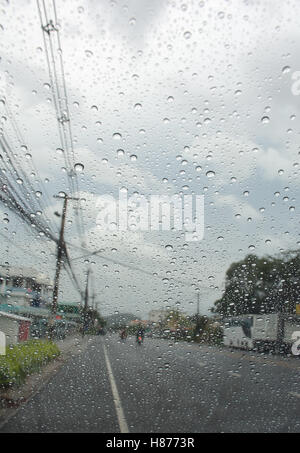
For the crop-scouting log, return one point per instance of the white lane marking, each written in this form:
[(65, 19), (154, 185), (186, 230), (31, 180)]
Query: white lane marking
[(117, 401), (297, 395), (202, 364), (232, 373)]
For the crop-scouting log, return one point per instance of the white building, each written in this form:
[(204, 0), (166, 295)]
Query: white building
[(23, 286), (157, 315), (15, 328)]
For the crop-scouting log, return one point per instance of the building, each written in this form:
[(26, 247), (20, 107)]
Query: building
[(138, 322), (21, 286), (39, 317), (156, 316), (15, 328)]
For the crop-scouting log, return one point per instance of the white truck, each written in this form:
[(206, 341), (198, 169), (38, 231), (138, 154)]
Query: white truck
[(261, 332)]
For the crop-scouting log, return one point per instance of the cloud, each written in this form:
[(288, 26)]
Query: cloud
[(185, 85), (238, 206), (274, 163)]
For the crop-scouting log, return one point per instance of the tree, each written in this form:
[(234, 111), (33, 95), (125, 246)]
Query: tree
[(92, 320), (177, 323), (117, 321), (261, 285), (200, 322)]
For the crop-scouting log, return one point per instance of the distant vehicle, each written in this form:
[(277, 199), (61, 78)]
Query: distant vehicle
[(259, 331), (139, 339), (123, 334)]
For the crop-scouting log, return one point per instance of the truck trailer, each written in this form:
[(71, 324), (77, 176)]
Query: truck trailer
[(261, 332)]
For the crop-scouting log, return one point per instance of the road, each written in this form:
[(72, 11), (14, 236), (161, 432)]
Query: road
[(163, 387)]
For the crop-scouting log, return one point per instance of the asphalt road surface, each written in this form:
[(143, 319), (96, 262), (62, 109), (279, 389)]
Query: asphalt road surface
[(163, 387)]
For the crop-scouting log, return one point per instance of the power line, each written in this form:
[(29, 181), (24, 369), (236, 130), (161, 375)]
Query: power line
[(16, 207), (132, 267), (30, 162), (68, 262), (17, 175), (18, 191), (18, 246), (68, 271), (59, 258), (60, 99)]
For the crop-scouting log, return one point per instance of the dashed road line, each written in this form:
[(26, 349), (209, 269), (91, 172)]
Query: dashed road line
[(233, 373), (297, 395), (202, 363)]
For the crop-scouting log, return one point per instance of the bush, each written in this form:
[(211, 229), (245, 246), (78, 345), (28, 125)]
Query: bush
[(25, 358), (212, 335)]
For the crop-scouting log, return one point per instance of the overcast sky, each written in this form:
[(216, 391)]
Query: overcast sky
[(192, 89)]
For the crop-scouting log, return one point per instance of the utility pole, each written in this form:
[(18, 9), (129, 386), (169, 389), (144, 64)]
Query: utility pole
[(280, 320), (198, 311), (280, 332), (59, 255), (280, 324), (197, 326), (93, 301), (86, 298)]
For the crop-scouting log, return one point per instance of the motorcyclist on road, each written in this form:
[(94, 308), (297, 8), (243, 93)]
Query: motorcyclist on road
[(140, 333), (123, 334)]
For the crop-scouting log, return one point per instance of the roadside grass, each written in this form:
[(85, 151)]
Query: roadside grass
[(23, 359)]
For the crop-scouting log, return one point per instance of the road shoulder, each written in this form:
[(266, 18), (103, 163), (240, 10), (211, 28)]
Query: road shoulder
[(12, 399)]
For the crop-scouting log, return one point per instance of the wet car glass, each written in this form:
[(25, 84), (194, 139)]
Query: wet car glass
[(149, 178)]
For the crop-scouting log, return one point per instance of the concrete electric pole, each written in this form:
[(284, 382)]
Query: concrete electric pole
[(59, 256)]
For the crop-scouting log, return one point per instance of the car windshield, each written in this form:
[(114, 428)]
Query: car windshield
[(149, 175)]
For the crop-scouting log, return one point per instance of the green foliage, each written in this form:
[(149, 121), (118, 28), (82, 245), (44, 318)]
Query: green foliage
[(92, 321), (131, 330), (120, 320), (207, 331), (175, 325), (200, 323), (174, 318), (212, 334), (261, 285), (25, 358)]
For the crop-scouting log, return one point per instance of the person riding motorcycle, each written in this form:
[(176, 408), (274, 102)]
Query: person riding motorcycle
[(140, 334), (123, 334)]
